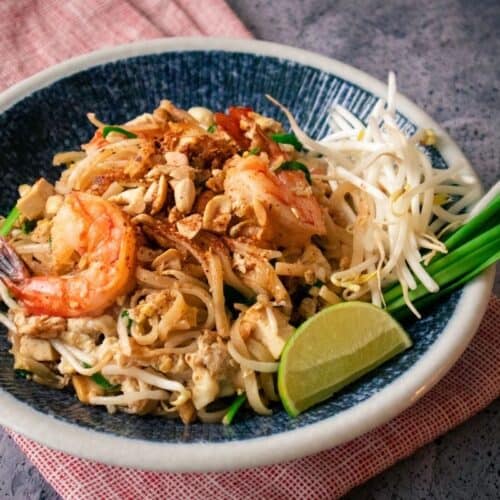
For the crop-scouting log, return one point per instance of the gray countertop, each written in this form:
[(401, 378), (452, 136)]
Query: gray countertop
[(445, 53)]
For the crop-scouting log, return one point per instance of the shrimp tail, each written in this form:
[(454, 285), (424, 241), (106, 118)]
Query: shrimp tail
[(12, 268)]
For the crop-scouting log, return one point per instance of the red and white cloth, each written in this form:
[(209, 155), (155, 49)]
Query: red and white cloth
[(37, 33)]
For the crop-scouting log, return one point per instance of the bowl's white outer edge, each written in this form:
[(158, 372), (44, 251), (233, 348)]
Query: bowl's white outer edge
[(204, 457)]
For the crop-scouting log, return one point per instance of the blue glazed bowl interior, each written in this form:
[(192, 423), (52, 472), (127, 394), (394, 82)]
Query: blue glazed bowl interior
[(53, 119)]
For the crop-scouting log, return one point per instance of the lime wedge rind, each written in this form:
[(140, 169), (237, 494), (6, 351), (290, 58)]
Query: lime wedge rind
[(321, 396), (306, 377)]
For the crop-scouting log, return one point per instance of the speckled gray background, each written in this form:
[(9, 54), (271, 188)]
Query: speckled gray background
[(446, 54)]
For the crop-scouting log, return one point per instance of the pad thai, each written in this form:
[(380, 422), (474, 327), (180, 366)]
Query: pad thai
[(166, 268)]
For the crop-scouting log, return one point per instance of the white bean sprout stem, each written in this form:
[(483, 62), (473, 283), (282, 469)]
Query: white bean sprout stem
[(413, 200)]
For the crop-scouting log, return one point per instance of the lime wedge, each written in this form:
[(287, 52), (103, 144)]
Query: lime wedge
[(332, 349)]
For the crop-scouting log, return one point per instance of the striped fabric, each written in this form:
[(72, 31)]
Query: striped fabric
[(35, 34)]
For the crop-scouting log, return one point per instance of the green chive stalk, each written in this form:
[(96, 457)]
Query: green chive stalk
[(288, 139), (233, 409), (102, 381), (403, 312), (453, 265), (9, 221), (485, 219), (119, 130), (472, 248)]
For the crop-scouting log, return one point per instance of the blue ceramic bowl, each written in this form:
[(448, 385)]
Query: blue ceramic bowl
[(46, 114)]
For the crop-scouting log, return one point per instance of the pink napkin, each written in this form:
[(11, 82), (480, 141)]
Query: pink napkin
[(35, 34)]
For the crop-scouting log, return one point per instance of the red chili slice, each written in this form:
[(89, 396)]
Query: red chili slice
[(231, 124)]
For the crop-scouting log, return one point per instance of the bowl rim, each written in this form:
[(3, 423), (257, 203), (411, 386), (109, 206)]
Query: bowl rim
[(404, 391)]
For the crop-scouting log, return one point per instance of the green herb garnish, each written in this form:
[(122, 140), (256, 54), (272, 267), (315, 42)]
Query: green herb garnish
[(254, 151), (119, 130), (22, 373), (102, 381), (9, 222), (233, 409), (290, 138), (28, 225), (126, 314), (296, 165), (212, 128)]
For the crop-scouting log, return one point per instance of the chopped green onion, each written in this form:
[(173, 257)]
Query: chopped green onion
[(119, 130), (126, 314), (254, 151), (9, 222), (296, 165), (233, 409), (99, 379), (432, 298), (102, 381), (288, 139), (212, 128), (22, 373), (478, 224), (28, 225)]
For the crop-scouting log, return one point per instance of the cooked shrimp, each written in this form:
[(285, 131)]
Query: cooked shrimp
[(282, 202), (103, 240)]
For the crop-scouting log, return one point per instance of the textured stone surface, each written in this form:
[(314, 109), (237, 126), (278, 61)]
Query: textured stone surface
[(446, 57)]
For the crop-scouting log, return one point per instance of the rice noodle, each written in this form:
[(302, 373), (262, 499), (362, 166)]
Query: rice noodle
[(122, 331), (145, 339), (268, 386), (63, 350), (176, 339), (129, 398), (205, 297), (67, 157), (251, 364), (170, 318), (92, 118), (80, 355), (30, 248), (153, 280), (145, 376), (252, 392), (216, 288), (184, 278)]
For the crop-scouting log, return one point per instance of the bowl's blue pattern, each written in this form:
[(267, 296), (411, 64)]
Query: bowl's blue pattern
[(53, 119)]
